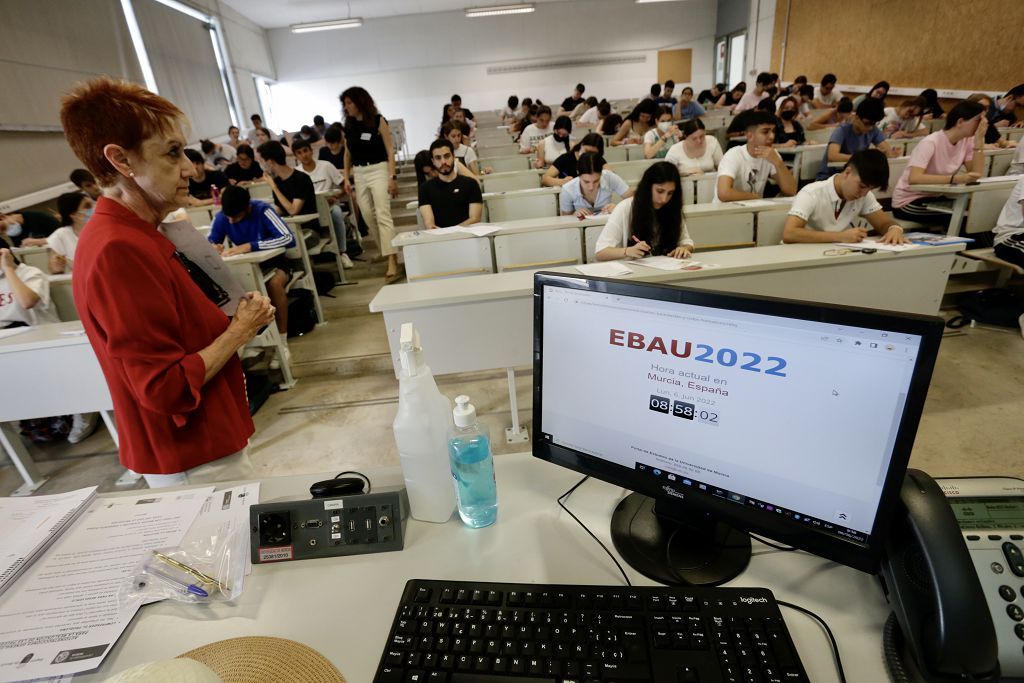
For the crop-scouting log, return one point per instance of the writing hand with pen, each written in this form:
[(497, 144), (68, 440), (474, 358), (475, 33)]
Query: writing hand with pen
[(638, 250)]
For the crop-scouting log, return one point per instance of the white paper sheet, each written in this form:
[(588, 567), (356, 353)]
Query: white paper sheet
[(480, 229), (62, 616), (31, 525), (757, 203), (875, 244), (998, 179), (437, 232), (190, 242), (664, 263), (10, 332), (606, 269)]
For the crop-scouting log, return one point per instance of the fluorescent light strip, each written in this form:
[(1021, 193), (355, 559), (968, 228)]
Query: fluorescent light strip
[(327, 25), (499, 10), (140, 47)]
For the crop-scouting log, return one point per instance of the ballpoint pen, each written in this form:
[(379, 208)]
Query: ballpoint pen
[(183, 586), (189, 570)]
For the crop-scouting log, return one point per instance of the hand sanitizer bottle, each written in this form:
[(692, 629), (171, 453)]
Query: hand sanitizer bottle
[(469, 448), (421, 431)]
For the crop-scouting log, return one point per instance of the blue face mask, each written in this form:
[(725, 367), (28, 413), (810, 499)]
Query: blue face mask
[(88, 212), (13, 229)]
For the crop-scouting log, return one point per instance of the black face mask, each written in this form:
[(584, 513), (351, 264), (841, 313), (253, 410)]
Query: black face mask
[(788, 115), (561, 138)]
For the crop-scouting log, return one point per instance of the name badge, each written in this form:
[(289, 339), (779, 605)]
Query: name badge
[(365, 136)]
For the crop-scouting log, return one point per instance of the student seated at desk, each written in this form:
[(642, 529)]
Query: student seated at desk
[(75, 210), (793, 87), (27, 228), (534, 134), (827, 95), (327, 179), (245, 170), (591, 190), (1008, 235), (565, 167), (252, 225), (333, 150), (687, 108), (609, 125), (255, 135), (666, 99), (85, 182), (879, 91), (554, 145), (788, 131), (449, 199), (636, 125), (587, 115), (937, 159), (824, 210), (752, 98), (1017, 165), (24, 294), (709, 98), (860, 132), (218, 156), (744, 170), (904, 120), (932, 109), (833, 117), (1010, 108), (511, 111), (660, 139), (456, 133), (697, 152), (993, 138), (730, 99), (650, 222), (203, 180), (234, 136), (570, 103), (425, 169), (294, 193)]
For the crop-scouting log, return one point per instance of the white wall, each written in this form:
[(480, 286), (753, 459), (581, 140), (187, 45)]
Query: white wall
[(412, 65)]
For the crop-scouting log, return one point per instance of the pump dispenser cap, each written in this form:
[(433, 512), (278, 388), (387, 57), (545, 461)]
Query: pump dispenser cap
[(464, 412)]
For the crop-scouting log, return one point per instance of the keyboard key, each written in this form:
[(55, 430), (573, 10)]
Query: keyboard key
[(422, 595), (474, 678), (416, 677)]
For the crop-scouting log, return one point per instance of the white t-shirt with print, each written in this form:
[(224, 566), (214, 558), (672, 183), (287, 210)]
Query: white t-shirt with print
[(552, 150), (705, 163), (829, 99), (13, 312), (533, 134), (325, 176), (748, 173), (616, 231), (63, 241), (820, 205)]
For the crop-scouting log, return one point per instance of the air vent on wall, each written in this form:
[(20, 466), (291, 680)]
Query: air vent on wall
[(565, 64)]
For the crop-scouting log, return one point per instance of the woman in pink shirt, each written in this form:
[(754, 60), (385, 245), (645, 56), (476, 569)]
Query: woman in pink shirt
[(937, 160)]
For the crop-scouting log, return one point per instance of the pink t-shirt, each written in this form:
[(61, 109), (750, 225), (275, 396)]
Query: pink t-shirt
[(749, 101), (937, 156)]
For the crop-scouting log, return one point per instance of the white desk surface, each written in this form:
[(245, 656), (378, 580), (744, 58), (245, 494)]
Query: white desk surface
[(744, 206), (731, 262), (253, 256), (343, 607), (943, 188), (46, 336), (423, 236)]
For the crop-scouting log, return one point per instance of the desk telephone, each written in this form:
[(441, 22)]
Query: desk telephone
[(954, 575)]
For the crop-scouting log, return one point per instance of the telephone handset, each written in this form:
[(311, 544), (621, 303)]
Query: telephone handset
[(934, 589)]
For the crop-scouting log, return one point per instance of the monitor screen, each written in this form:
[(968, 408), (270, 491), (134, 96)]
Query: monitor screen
[(790, 419)]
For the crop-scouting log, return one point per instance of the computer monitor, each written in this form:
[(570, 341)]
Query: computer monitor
[(729, 414)]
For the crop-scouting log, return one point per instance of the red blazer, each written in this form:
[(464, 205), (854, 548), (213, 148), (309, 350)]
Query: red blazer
[(147, 320)]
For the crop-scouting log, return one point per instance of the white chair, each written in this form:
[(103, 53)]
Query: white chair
[(896, 167), (37, 257), (590, 235), (261, 191), (300, 252), (498, 150), (631, 171), (809, 163), (819, 136), (517, 206), (636, 153), (448, 259), (770, 225), (62, 298), (1000, 163), (504, 164), (200, 215), (534, 250), (689, 191), (984, 207), (323, 211), (615, 154), (705, 188), (910, 144), (721, 230), (508, 182)]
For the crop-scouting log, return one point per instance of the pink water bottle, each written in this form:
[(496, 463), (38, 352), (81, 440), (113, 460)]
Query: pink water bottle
[(215, 193)]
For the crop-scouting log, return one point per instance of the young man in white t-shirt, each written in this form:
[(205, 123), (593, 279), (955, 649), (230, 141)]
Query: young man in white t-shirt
[(823, 211), (827, 95), (534, 134), (24, 293), (326, 178), (904, 120), (744, 171)]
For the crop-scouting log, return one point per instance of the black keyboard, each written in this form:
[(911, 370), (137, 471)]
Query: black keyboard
[(469, 632)]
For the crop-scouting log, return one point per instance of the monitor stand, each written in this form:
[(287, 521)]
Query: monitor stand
[(703, 552)]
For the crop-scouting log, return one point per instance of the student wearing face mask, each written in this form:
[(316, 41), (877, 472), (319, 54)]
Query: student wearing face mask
[(697, 152), (650, 222), (556, 144), (75, 211), (591, 191), (635, 127), (566, 166), (745, 170), (789, 132), (660, 139), (27, 228)]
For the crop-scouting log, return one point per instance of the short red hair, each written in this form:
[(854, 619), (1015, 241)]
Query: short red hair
[(107, 111)]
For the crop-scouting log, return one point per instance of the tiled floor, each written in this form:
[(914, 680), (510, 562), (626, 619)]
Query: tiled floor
[(339, 415)]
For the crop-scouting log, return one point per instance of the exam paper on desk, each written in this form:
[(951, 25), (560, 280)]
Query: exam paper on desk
[(62, 616), (606, 269), (876, 244)]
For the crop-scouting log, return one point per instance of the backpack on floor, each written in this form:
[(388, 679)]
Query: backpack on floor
[(998, 306), (301, 312)]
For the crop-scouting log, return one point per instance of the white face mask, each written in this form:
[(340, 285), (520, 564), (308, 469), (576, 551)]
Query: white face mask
[(664, 126), (13, 229)]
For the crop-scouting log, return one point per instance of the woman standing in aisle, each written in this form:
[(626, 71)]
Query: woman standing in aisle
[(370, 162)]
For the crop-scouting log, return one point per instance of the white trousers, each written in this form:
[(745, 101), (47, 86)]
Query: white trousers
[(229, 468), (375, 203)]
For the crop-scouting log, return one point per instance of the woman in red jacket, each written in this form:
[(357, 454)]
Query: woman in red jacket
[(167, 351)]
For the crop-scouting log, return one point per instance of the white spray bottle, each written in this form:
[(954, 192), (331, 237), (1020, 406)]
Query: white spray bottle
[(421, 433)]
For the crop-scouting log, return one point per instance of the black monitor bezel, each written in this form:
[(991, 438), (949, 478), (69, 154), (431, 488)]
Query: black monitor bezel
[(865, 557)]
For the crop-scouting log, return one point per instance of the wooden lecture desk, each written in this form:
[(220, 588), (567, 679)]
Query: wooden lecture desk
[(343, 607)]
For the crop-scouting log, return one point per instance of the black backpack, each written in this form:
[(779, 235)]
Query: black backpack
[(999, 307), (301, 312)]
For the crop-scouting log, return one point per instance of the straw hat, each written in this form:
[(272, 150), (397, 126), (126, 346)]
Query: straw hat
[(251, 659)]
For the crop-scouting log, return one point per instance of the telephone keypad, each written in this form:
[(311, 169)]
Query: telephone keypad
[(1019, 630), (1015, 612), (1007, 593)]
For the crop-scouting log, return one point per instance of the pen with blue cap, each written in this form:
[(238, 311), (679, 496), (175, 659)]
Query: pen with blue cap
[(183, 586)]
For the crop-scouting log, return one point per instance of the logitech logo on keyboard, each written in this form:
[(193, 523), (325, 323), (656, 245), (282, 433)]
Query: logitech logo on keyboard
[(751, 601)]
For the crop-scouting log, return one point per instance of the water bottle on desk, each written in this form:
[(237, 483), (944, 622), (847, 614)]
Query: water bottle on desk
[(469, 448)]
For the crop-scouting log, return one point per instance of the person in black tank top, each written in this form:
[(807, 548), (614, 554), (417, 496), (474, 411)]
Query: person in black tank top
[(370, 161)]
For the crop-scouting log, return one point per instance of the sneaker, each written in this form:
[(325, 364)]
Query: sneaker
[(82, 425), (275, 363), (346, 262)]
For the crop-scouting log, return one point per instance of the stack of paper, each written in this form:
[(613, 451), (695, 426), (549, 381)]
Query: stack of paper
[(875, 244), (666, 263), (606, 269)]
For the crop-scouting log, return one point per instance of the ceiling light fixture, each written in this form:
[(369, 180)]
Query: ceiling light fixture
[(498, 10), (327, 25)]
